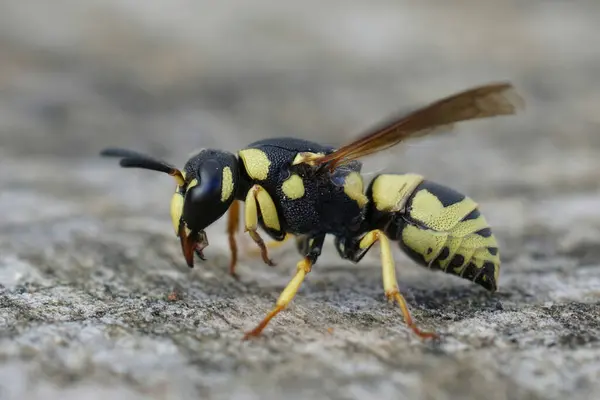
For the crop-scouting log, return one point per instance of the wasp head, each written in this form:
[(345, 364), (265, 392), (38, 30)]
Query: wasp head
[(205, 190)]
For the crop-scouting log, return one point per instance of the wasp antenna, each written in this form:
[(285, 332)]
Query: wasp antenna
[(119, 152), (133, 159)]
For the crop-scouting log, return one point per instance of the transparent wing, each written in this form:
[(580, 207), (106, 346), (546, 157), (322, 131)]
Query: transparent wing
[(485, 101)]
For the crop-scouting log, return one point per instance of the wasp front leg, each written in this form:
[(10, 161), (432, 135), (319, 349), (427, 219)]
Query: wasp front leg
[(302, 268), (354, 250), (233, 223), (258, 199)]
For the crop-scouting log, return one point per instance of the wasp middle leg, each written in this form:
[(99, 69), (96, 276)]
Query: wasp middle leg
[(273, 244), (287, 295)]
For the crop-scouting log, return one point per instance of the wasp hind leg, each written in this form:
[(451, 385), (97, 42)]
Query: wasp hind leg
[(302, 268), (390, 283), (258, 199)]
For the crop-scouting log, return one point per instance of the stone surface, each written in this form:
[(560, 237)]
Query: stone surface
[(96, 301)]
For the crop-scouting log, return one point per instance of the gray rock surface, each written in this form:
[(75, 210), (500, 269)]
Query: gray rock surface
[(96, 301)]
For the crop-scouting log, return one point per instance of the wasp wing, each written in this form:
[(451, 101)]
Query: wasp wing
[(485, 101)]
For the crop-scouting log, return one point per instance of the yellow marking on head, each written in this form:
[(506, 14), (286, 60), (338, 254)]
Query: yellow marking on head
[(293, 187), (307, 158), (193, 183), (177, 201), (176, 210), (428, 209), (227, 184), (390, 192), (353, 187), (256, 162)]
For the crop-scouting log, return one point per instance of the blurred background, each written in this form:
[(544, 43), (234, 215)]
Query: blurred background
[(169, 76)]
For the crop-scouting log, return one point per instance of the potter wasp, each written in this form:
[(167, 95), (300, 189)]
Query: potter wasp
[(294, 187)]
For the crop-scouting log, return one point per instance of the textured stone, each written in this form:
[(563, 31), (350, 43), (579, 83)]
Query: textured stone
[(96, 301)]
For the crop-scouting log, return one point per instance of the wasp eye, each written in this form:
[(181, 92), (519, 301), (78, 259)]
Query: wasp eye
[(212, 176), (207, 185), (203, 204)]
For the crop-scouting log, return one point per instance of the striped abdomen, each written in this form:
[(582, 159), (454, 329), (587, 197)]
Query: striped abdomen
[(443, 229)]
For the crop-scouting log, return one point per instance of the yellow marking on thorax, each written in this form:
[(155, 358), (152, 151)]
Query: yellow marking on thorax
[(428, 209), (293, 187), (390, 192), (307, 158), (227, 184), (354, 188), (256, 163)]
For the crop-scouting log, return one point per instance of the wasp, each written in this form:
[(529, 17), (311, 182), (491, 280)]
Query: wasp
[(297, 188)]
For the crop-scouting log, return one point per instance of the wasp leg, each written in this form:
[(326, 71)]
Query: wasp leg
[(233, 223), (390, 283), (285, 298), (303, 244), (310, 246), (314, 248), (302, 268), (271, 245), (258, 195)]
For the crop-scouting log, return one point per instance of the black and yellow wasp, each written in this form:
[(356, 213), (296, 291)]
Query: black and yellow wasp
[(296, 187)]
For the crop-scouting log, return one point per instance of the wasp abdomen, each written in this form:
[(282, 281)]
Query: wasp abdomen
[(443, 229)]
